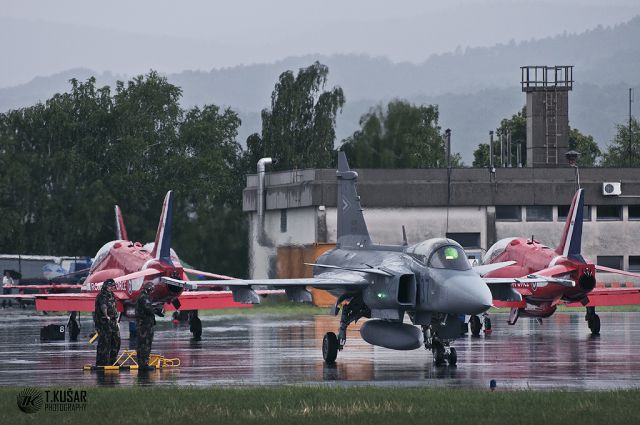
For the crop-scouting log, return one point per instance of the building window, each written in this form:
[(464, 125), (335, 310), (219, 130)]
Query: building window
[(609, 212), (283, 221), (467, 240), (634, 212), (539, 213), (634, 263), (613, 261), (508, 213), (563, 211)]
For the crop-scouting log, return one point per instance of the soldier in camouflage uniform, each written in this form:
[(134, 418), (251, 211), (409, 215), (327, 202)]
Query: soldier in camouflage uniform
[(145, 321), (105, 318)]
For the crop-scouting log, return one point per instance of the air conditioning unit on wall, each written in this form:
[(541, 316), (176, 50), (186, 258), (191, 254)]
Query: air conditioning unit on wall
[(611, 189)]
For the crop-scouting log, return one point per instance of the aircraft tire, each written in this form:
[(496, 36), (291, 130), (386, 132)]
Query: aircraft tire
[(594, 324), (74, 330), (453, 357), (196, 328), (438, 353), (476, 325), (330, 347)]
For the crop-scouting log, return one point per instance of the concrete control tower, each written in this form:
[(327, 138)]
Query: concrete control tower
[(547, 89)]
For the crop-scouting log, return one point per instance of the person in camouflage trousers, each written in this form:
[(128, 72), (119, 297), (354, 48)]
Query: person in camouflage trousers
[(145, 321), (105, 319)]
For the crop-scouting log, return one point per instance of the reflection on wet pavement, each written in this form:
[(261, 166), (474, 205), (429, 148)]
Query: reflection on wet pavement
[(561, 353)]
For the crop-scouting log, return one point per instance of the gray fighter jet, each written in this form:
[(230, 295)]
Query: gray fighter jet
[(431, 282)]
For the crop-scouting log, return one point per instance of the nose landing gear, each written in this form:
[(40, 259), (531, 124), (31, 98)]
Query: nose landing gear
[(440, 348)]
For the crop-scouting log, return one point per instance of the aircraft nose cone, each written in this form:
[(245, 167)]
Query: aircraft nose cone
[(468, 294)]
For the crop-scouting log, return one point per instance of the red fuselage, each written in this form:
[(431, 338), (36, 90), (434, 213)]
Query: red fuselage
[(532, 258), (120, 258)]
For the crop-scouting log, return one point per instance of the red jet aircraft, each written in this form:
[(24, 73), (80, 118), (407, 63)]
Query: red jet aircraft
[(130, 265), (575, 277)]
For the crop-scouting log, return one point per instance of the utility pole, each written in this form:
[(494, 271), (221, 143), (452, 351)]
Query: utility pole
[(501, 151), (447, 133), (630, 116), (491, 149)]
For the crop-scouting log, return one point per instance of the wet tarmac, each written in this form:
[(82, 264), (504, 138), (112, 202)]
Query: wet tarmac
[(261, 350)]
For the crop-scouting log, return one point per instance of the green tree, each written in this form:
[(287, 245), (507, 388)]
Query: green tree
[(66, 162), (585, 146), (402, 136), (624, 150), (516, 127), (299, 129)]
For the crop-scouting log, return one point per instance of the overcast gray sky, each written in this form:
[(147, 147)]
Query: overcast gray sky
[(42, 37)]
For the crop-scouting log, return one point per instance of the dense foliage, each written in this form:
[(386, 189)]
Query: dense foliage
[(402, 136), (66, 162), (624, 150), (299, 129), (516, 127)]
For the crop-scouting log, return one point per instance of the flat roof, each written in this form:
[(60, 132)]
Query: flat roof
[(380, 188)]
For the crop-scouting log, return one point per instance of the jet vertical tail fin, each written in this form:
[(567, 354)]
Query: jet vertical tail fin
[(571, 242), (121, 231), (162, 247), (352, 229)]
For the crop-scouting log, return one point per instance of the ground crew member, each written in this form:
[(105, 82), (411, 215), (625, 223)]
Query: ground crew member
[(106, 321), (145, 321), (7, 283)]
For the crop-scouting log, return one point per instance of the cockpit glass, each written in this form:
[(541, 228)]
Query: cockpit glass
[(449, 257)]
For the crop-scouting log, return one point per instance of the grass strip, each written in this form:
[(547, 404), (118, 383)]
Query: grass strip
[(322, 405)]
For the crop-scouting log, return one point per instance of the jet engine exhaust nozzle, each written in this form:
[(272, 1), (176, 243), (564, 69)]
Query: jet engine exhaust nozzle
[(587, 282)]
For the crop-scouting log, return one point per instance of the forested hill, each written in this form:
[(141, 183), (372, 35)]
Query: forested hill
[(474, 87)]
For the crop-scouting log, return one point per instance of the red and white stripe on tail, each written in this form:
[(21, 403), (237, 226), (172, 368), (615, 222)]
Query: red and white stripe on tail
[(571, 241), (121, 231), (162, 247)]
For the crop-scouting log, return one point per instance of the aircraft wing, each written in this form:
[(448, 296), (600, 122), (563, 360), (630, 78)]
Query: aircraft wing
[(503, 290), (486, 268), (207, 274), (243, 292), (206, 300), (315, 282), (555, 270), (532, 278), (611, 296), (616, 271), (84, 301), (371, 270), (135, 275)]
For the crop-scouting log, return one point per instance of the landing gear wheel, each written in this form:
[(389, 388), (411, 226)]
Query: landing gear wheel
[(452, 357), (438, 353), (330, 348), (476, 325), (594, 324), (74, 330), (196, 328)]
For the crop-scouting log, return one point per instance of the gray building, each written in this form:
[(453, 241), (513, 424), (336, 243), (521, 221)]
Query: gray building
[(470, 205)]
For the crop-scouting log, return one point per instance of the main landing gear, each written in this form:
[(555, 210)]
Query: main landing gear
[(195, 325), (73, 326), (441, 349), (593, 320), (476, 325), (351, 312)]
